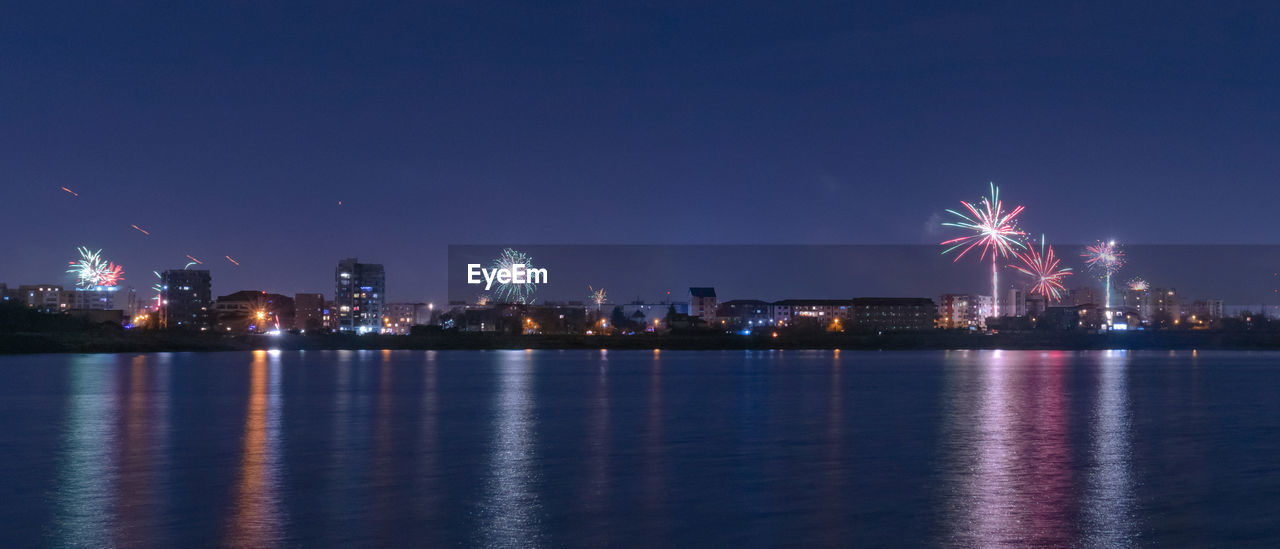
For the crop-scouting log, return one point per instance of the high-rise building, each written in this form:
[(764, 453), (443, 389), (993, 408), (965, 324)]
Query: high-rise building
[(359, 296), (186, 298), (308, 312)]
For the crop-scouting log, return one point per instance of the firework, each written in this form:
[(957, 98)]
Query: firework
[(482, 300), (236, 263), (512, 292), (141, 230), (158, 287), (93, 271), (1044, 267), (193, 261), (1105, 258), (994, 232), (596, 296), (1137, 284), (73, 193)]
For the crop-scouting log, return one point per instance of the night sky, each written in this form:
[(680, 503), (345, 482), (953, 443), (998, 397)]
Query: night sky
[(236, 129)]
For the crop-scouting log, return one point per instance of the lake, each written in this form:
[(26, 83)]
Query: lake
[(641, 448)]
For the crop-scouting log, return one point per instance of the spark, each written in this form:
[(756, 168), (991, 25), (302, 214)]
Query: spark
[(512, 292), (1104, 258), (1137, 284), (1043, 266), (92, 271), (73, 193), (237, 263), (141, 230), (993, 231)]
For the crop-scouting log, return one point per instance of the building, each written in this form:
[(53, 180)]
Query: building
[(359, 296), (1164, 307), (101, 298), (253, 311), (1205, 310), (308, 312), (186, 299), (702, 303), (1015, 304), (8, 294), (400, 317), (1036, 304), (963, 311), (891, 314), (1085, 295), (744, 313), (47, 298), (814, 312), (653, 315)]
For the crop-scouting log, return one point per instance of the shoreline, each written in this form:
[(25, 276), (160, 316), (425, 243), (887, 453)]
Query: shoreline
[(145, 342)]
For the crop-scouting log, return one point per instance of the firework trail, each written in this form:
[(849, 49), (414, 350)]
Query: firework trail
[(73, 193), (158, 288), (993, 231), (141, 230), (237, 263), (1044, 267), (92, 270), (1104, 258), (512, 292), (193, 261)]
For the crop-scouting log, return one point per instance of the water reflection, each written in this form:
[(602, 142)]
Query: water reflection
[(257, 521), (85, 480), (1009, 452), (511, 505), (143, 428), (1109, 513)]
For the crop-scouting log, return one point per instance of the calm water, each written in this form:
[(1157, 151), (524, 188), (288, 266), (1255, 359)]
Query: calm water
[(587, 448)]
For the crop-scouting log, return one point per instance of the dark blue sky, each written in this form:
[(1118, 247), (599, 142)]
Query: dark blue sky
[(235, 129)]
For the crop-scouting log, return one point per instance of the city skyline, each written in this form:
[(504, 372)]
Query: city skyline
[(855, 125)]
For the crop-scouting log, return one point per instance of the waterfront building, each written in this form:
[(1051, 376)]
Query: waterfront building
[(744, 313), (253, 311), (891, 314), (186, 299), (1015, 304), (359, 296), (963, 311), (653, 315), (702, 303), (308, 312), (400, 317), (47, 298)]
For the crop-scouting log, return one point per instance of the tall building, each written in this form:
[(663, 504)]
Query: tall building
[(1016, 303), (702, 303), (186, 298), (359, 296), (308, 312)]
